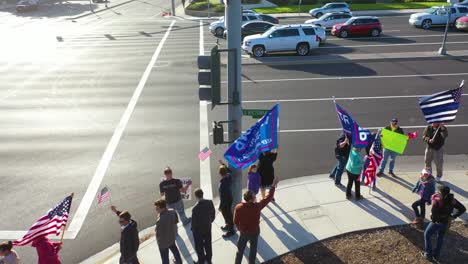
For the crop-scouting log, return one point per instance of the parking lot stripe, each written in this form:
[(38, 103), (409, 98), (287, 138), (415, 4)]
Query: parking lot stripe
[(355, 77), (88, 198), (391, 45), (337, 99)]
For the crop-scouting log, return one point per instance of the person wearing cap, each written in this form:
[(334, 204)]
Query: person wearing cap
[(435, 135), (389, 153), (425, 188), (443, 204)]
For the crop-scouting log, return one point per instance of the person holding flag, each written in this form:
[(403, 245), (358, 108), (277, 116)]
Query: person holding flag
[(387, 153), (47, 251), (342, 149), (129, 240), (353, 168), (437, 109)]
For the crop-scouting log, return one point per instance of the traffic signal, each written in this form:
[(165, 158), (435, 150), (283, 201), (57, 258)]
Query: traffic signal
[(209, 74), (218, 133)]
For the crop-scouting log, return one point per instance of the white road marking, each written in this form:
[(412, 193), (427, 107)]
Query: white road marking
[(337, 98), (391, 45), (389, 37), (205, 167), (356, 77), (340, 128), (88, 198)]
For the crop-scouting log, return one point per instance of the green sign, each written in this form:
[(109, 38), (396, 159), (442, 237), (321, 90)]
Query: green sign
[(394, 141), (254, 113)]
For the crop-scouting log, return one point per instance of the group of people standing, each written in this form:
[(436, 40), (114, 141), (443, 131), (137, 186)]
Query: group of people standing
[(170, 207), (443, 202)]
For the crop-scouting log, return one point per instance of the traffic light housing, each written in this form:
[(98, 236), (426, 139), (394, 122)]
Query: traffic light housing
[(218, 133), (209, 74)]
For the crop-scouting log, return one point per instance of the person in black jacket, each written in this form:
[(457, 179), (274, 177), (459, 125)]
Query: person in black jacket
[(389, 153), (225, 197), (203, 214), (129, 240), (342, 149), (443, 204), (266, 170), (434, 136)]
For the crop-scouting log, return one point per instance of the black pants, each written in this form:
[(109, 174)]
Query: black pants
[(353, 178), (227, 214), (131, 260), (420, 203), (203, 246), (242, 242)]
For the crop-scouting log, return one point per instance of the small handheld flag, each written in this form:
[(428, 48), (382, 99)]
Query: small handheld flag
[(372, 162), (204, 154), (441, 107), (103, 195), (413, 135)]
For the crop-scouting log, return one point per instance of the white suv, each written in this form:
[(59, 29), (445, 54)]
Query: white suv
[(329, 20), (218, 27), (437, 15), (299, 38), (329, 8)]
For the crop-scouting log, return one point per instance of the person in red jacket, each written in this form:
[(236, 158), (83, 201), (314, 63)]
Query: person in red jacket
[(247, 221), (47, 251)]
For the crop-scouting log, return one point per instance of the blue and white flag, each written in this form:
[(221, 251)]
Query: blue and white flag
[(261, 137), (441, 107), (360, 137)]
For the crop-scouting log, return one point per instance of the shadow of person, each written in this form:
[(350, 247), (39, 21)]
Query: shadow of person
[(396, 204), (404, 183), (379, 212), (456, 190)]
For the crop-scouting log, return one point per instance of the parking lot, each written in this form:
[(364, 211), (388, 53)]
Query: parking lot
[(373, 92)]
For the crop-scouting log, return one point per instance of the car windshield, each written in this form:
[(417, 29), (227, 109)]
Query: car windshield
[(350, 21), (432, 10), (268, 32)]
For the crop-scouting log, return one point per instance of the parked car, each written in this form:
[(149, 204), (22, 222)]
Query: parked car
[(464, 3), (249, 11), (330, 8), (218, 27), (269, 18), (437, 15), (462, 23), (329, 20), (252, 28), (299, 38), (26, 5), (358, 26)]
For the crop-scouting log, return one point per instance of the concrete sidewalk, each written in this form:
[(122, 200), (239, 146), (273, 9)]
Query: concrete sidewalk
[(309, 209)]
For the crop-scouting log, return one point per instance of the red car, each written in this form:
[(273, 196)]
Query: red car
[(462, 23), (358, 26)]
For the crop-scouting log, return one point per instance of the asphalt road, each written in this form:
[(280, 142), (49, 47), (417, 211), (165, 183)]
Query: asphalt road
[(67, 85)]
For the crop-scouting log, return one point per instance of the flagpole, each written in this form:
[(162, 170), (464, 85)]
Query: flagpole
[(433, 137), (65, 226)]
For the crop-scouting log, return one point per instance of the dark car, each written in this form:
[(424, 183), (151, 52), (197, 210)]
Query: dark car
[(269, 18), (26, 5), (252, 28), (358, 26)]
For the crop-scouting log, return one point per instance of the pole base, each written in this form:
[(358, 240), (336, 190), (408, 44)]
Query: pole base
[(442, 51)]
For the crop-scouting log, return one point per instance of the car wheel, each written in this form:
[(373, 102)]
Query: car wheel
[(258, 51), (344, 34), (318, 15), (375, 32), (302, 49), (426, 24), (219, 31)]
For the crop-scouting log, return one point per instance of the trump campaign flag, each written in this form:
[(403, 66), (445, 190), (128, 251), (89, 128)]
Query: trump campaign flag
[(441, 107), (261, 137), (360, 137)]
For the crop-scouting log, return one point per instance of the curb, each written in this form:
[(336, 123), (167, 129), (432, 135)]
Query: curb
[(345, 60), (101, 10)]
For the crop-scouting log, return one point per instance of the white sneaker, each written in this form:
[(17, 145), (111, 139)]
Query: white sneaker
[(437, 179)]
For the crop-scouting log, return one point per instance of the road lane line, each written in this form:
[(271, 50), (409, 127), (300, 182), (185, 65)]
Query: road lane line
[(337, 98), (205, 166), (355, 77), (88, 198), (397, 44)]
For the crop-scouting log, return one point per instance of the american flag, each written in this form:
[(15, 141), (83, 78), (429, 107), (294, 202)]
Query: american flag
[(103, 195), (205, 153), (50, 223), (372, 162), (441, 107)]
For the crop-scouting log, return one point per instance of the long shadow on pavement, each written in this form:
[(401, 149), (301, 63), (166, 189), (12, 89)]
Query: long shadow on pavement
[(347, 69), (379, 212)]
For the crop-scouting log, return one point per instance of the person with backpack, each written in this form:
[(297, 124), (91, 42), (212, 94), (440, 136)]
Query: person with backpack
[(342, 149), (443, 204), (425, 188)]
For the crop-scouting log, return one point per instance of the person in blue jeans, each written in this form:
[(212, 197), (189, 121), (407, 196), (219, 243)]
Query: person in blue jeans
[(443, 204), (342, 149), (388, 153)]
